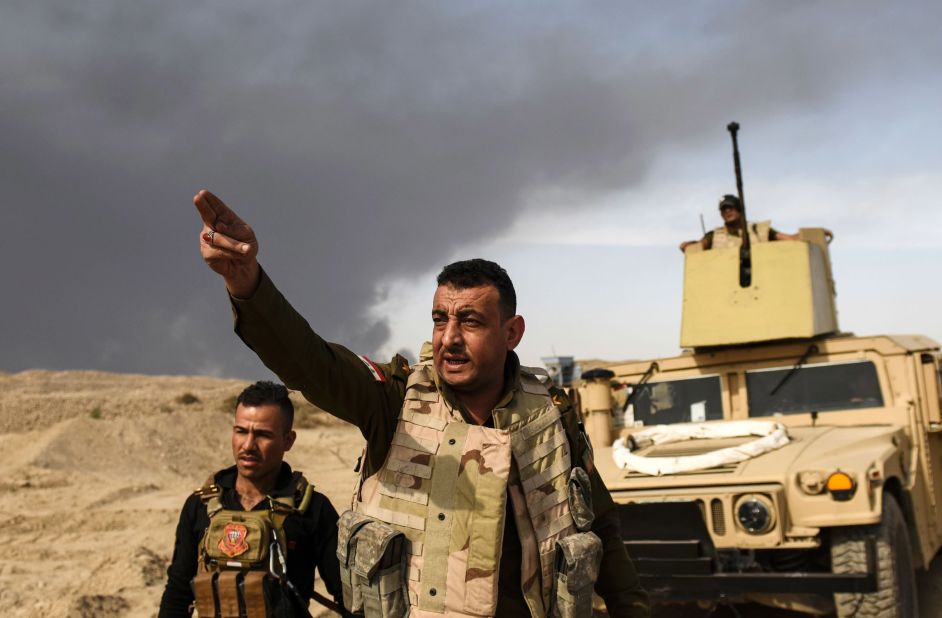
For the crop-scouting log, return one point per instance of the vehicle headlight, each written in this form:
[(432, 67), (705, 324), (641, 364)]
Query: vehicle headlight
[(755, 513)]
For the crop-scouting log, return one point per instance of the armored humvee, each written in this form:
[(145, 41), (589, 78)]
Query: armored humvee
[(777, 459)]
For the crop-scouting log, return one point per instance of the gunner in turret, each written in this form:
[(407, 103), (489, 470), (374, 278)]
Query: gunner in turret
[(730, 233)]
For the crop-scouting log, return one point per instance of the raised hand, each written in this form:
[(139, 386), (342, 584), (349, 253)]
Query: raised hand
[(228, 245)]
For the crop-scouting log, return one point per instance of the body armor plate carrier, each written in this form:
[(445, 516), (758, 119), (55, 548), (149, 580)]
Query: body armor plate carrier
[(758, 232), (425, 534), (242, 563)]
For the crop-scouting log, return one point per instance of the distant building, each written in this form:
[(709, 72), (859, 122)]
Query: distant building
[(566, 371), (562, 369)]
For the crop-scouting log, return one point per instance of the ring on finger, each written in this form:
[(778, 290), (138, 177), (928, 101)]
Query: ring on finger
[(212, 235)]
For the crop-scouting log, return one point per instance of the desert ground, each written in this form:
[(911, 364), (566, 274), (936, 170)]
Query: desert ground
[(96, 466), (94, 471)]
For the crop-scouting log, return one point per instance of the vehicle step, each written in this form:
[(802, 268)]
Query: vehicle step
[(664, 549)]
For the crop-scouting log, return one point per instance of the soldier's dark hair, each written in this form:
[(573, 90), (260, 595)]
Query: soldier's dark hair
[(730, 200), (263, 393), (475, 272)]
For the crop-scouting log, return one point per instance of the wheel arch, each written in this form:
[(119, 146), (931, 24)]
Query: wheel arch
[(894, 487)]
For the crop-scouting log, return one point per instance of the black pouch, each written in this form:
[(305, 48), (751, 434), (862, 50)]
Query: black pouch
[(578, 558)]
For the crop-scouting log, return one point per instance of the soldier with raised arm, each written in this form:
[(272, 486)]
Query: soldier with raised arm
[(477, 494)]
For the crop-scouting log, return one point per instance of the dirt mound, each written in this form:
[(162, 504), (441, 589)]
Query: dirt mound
[(39, 399), (145, 449)]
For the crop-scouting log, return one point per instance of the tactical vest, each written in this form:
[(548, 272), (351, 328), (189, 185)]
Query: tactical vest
[(242, 557), (425, 533), (758, 232)]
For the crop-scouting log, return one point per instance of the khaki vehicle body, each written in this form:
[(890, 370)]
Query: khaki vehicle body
[(791, 294), (868, 407)]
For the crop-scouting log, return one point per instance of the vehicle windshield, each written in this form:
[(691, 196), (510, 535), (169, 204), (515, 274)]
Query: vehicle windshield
[(813, 388), (676, 401)]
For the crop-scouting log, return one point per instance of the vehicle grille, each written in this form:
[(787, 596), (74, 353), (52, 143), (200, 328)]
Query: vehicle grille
[(718, 516)]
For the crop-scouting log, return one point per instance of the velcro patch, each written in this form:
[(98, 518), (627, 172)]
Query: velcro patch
[(233, 540)]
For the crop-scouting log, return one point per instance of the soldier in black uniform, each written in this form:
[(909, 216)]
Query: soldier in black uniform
[(259, 481)]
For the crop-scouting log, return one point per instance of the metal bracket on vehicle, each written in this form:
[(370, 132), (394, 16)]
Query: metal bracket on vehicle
[(675, 557), (722, 584)]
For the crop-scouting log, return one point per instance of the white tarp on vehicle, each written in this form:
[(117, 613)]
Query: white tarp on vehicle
[(770, 436)]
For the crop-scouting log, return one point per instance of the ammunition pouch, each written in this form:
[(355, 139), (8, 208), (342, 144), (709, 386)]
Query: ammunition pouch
[(580, 499), (235, 594), (578, 558), (241, 573), (372, 567)]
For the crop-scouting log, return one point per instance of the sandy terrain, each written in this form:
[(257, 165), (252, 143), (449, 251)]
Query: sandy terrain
[(96, 466)]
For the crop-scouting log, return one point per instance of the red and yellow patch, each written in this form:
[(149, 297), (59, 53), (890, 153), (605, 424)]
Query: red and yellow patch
[(233, 541)]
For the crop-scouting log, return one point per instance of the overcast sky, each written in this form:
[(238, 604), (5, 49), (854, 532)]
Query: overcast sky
[(369, 143)]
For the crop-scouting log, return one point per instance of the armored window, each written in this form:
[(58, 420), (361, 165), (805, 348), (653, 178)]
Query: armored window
[(677, 401), (813, 388)]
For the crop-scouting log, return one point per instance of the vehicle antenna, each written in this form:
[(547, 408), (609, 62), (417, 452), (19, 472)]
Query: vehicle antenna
[(745, 250), (702, 224)]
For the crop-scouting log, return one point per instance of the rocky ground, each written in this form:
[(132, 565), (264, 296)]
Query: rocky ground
[(94, 470)]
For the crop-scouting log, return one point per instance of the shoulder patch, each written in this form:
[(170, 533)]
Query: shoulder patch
[(373, 367), (399, 367)]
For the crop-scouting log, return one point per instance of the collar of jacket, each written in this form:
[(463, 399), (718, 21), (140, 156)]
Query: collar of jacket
[(283, 487)]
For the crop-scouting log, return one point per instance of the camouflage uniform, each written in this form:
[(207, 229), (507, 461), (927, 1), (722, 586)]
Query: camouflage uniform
[(371, 396), (722, 238)]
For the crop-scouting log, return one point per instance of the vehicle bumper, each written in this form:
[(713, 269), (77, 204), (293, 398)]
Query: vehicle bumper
[(678, 561)]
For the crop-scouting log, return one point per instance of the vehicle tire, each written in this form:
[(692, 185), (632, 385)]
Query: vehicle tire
[(896, 581)]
